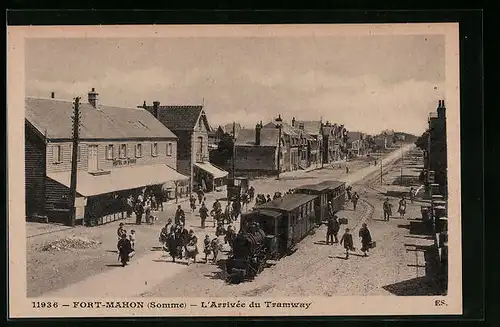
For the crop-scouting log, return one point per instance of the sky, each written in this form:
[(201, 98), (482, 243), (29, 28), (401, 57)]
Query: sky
[(368, 83)]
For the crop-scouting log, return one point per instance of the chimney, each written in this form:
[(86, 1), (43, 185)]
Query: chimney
[(156, 108), (93, 98), (52, 95), (441, 110), (258, 128), (293, 122)]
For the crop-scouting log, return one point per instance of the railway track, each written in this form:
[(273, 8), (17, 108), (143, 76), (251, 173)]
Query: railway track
[(319, 265)]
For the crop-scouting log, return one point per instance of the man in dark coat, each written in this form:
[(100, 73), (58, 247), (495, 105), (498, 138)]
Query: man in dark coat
[(366, 239), (203, 214), (334, 227), (387, 209), (348, 243), (355, 199), (124, 249), (139, 211), (180, 216)]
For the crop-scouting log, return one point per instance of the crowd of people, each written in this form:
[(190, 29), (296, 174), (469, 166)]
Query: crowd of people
[(181, 243)]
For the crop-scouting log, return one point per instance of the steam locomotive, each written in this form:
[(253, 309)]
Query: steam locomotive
[(273, 229)]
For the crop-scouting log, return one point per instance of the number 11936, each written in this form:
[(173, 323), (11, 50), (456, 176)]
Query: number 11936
[(42, 305)]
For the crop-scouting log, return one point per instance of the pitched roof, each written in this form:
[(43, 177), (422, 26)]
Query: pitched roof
[(178, 117), (268, 137), (286, 129), (311, 127), (54, 118)]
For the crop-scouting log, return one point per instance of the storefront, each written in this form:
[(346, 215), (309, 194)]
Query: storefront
[(209, 177), (103, 198)]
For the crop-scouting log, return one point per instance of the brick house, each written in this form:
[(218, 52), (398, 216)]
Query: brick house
[(314, 128), (190, 125), (256, 152), (357, 144), (331, 142), (121, 151)]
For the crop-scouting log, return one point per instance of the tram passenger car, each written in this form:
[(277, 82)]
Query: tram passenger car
[(336, 194), (269, 232), (333, 191)]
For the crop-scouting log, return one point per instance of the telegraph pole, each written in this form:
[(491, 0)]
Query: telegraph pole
[(402, 160), (234, 148), (74, 161), (380, 170)]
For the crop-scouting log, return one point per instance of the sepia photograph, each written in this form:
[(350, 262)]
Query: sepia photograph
[(234, 170)]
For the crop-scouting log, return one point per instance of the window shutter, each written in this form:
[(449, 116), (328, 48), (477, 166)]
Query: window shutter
[(54, 159)]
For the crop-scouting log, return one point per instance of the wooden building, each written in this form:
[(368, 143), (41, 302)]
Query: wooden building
[(121, 151)]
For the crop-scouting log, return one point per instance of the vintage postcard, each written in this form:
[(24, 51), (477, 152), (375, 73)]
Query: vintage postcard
[(239, 170)]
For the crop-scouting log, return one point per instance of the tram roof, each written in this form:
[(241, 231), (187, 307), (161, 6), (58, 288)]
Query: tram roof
[(288, 202), (314, 187), (332, 184), (264, 212)]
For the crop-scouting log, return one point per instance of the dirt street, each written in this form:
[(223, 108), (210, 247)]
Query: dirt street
[(65, 273)]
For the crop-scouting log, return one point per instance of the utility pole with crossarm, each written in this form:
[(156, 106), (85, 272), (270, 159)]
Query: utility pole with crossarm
[(74, 160)]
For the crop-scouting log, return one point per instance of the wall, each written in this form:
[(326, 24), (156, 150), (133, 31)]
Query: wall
[(255, 158), (34, 161), (107, 164), (200, 131)]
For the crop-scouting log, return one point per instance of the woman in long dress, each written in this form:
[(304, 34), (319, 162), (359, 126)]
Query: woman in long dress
[(402, 207), (366, 239)]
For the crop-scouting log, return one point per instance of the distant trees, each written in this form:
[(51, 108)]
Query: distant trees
[(422, 141), (224, 152)]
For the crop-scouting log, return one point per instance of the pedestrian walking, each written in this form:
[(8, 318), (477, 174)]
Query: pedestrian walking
[(230, 236), (251, 193), (191, 249), (125, 251), (387, 209), (216, 248), (346, 240), (412, 194), (366, 239), (139, 211), (200, 195), (121, 230), (347, 169), (203, 214), (207, 247), (173, 243), (355, 199), (268, 198), (130, 206), (332, 230), (180, 216), (192, 203), (402, 208)]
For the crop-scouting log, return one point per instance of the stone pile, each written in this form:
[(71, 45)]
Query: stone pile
[(70, 243)]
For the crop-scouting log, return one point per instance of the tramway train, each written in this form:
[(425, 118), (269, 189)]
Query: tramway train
[(273, 229)]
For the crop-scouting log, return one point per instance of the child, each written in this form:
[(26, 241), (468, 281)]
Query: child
[(121, 231), (132, 239), (348, 243)]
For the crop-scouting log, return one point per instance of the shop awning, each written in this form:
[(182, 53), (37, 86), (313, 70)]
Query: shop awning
[(211, 169), (119, 179)]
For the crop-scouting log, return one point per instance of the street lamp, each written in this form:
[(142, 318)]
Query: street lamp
[(279, 125)]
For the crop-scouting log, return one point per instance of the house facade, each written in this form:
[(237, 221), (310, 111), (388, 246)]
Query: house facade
[(437, 160), (315, 144), (291, 145), (357, 144), (256, 152), (121, 151), (190, 125)]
